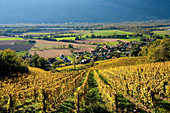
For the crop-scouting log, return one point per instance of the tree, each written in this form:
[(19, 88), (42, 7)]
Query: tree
[(77, 38), (37, 61), (80, 59), (157, 51), (74, 61), (72, 50), (135, 51), (56, 63), (70, 46), (159, 54), (92, 36), (42, 63), (34, 60), (10, 63)]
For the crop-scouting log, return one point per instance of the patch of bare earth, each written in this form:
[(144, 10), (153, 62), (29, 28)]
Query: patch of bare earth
[(83, 49), (55, 43), (6, 37), (52, 53)]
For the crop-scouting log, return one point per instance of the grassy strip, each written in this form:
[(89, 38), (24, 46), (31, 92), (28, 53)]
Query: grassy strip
[(127, 106), (105, 32), (93, 102), (65, 38), (109, 43), (68, 105), (124, 105), (103, 79), (5, 39), (162, 32), (59, 38), (22, 53)]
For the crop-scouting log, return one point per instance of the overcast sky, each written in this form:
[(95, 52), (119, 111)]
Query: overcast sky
[(54, 11)]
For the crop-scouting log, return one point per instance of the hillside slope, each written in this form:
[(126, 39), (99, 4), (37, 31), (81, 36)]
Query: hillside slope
[(123, 85)]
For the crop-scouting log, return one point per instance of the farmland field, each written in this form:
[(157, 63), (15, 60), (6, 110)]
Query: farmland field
[(132, 39), (24, 47), (45, 32), (110, 43), (101, 40), (105, 32), (162, 32), (58, 39), (5, 38), (21, 53), (55, 43), (52, 53), (57, 52), (83, 49), (10, 42), (65, 38)]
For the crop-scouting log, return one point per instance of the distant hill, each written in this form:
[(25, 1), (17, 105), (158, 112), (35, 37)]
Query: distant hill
[(61, 11)]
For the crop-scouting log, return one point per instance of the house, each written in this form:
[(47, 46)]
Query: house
[(61, 56), (104, 46), (77, 57), (151, 39), (92, 52), (135, 42), (85, 61), (101, 50), (130, 45), (79, 53), (123, 49), (127, 52), (51, 60), (66, 60)]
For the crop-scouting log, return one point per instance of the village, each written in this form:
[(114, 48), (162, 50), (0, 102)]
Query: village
[(101, 52)]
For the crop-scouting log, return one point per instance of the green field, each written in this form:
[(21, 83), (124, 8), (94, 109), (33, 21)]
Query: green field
[(21, 53), (69, 57), (105, 32), (43, 46), (132, 39), (62, 38), (65, 34), (37, 33), (162, 32), (41, 33), (109, 43), (65, 38), (6, 39), (95, 32)]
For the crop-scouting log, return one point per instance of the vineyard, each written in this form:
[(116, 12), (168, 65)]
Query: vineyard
[(117, 85)]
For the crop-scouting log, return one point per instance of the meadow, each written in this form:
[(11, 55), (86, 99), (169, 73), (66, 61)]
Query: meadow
[(21, 53), (104, 32), (43, 44), (110, 43), (65, 38), (104, 40), (166, 32), (6, 39)]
